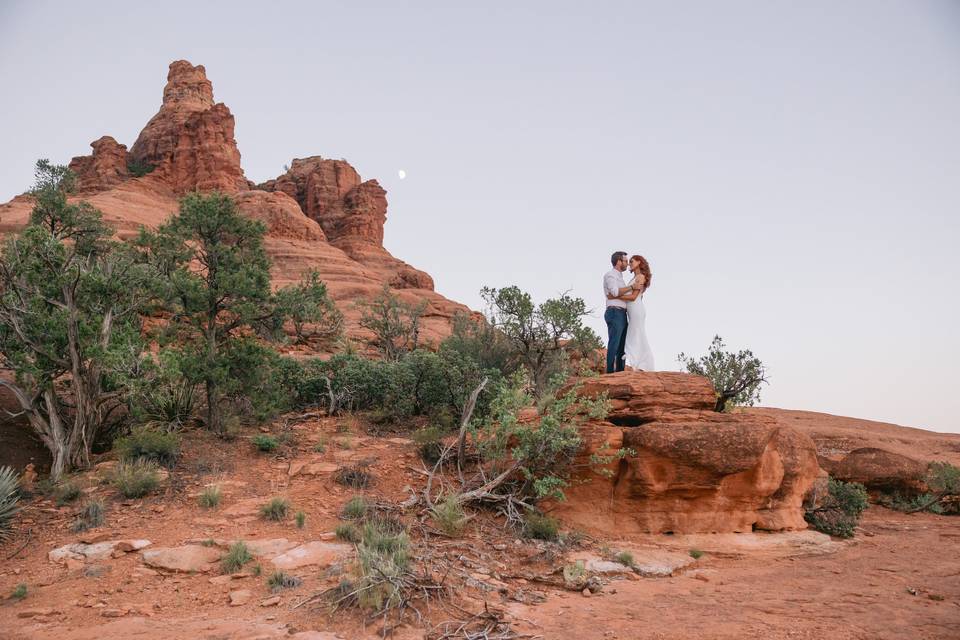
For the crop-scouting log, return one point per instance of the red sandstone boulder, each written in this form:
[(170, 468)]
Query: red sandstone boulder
[(104, 169), (693, 471), (640, 397), (879, 470)]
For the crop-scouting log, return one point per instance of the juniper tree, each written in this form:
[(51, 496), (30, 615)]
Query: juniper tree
[(69, 302), (216, 285), (541, 335), (736, 377)]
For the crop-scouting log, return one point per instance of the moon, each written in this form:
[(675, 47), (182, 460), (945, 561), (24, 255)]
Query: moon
[(402, 174)]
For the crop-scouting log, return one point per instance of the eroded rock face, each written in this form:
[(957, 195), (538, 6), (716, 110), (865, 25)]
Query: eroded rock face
[(320, 215), (351, 212), (190, 141), (104, 169), (690, 470), (879, 470)]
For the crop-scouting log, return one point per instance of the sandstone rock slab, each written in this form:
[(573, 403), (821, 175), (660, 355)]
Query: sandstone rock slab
[(186, 558), (312, 553)]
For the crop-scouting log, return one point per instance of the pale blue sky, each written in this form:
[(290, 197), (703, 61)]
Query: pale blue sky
[(790, 169)]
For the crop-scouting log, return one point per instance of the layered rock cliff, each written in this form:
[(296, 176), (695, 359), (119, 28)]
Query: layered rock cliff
[(320, 214)]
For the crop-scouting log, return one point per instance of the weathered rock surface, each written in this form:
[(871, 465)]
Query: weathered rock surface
[(690, 470), (104, 169), (312, 553), (663, 395), (190, 141), (96, 550), (884, 457), (187, 558), (320, 215)]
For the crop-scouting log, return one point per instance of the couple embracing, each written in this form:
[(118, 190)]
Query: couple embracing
[(625, 315)]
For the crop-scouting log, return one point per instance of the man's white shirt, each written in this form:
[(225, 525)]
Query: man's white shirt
[(612, 283)]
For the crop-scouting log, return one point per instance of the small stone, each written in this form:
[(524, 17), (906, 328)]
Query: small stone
[(701, 577), (271, 602), (240, 597), (36, 612), (95, 570), (586, 592), (113, 613)]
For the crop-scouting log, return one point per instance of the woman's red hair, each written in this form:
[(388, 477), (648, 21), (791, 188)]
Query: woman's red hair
[(644, 269)]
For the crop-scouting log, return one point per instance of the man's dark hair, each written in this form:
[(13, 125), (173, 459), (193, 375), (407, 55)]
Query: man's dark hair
[(617, 257)]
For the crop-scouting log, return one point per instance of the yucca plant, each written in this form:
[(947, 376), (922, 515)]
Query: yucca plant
[(9, 484)]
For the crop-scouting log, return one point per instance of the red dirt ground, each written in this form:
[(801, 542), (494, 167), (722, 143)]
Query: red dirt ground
[(898, 578)]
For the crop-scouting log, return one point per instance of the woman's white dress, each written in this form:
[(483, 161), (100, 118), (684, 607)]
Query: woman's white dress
[(637, 351)]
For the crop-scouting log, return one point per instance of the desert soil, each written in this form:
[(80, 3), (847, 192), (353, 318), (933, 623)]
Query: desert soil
[(898, 578)]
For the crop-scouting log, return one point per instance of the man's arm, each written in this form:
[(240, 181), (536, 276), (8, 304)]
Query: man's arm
[(614, 289)]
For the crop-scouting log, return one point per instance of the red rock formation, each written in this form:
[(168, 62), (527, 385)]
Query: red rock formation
[(690, 470), (320, 215), (352, 213), (106, 168), (190, 142)]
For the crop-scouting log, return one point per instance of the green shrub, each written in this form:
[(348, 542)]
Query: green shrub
[(148, 444), (356, 508), (279, 580), (347, 532), (696, 554), (209, 542), (139, 168), (479, 341), (625, 558), (256, 570), (210, 497), (320, 446), (159, 391), (90, 516), (9, 496), (265, 443), (541, 527), (275, 510), (311, 310), (66, 493), (574, 574), (301, 519), (136, 479), (19, 592), (395, 324), (449, 516), (736, 377), (237, 556), (840, 510)]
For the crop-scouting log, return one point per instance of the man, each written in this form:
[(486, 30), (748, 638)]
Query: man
[(616, 314)]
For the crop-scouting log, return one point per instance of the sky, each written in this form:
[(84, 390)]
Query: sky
[(790, 170)]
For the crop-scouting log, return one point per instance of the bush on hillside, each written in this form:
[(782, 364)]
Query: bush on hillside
[(736, 377), (9, 496), (145, 443), (840, 511)]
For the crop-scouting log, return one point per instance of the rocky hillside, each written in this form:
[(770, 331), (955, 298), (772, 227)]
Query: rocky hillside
[(320, 214)]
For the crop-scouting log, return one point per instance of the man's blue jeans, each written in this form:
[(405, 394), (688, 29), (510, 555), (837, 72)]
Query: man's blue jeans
[(616, 320)]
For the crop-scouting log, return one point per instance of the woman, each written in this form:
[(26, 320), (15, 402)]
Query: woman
[(637, 352)]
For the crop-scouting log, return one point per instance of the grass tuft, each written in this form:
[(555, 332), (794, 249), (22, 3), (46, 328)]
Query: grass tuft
[(541, 527), (449, 516), (279, 580), (66, 493), (275, 510), (237, 556), (696, 554), (354, 477), (355, 509), (19, 592), (136, 479), (210, 497), (348, 532), (265, 443), (624, 558), (301, 519)]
